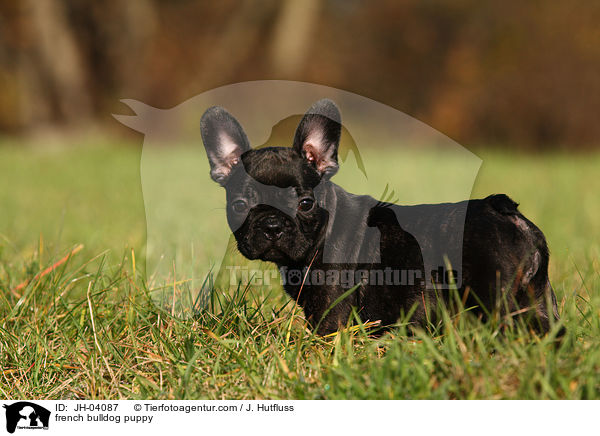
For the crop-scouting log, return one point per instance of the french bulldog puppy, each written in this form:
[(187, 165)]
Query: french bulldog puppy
[(336, 250)]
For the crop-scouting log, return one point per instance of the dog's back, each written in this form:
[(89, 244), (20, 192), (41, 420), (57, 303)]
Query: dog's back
[(485, 246)]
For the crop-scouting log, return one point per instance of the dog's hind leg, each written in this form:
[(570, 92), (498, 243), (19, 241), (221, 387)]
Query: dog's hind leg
[(546, 309), (536, 290)]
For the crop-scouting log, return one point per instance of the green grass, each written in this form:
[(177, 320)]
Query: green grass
[(92, 328)]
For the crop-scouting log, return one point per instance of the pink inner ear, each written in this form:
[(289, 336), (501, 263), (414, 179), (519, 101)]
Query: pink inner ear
[(310, 153)]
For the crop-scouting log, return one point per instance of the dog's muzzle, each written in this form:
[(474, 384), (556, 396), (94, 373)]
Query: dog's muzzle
[(272, 227)]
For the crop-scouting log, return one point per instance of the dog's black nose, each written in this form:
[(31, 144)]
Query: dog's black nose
[(272, 228)]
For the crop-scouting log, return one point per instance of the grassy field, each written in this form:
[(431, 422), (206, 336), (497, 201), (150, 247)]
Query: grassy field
[(91, 328)]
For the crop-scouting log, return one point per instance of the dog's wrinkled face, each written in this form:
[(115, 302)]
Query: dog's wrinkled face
[(273, 198), (271, 205)]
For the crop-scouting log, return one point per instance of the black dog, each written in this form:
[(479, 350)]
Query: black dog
[(336, 250)]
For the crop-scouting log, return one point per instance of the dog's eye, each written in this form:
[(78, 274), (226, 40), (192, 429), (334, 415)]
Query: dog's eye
[(239, 206), (306, 204)]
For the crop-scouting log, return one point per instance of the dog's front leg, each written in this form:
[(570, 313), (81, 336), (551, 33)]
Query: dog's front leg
[(325, 311)]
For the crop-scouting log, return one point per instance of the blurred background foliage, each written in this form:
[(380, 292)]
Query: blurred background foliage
[(519, 74)]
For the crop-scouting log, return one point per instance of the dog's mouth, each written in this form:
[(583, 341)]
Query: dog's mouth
[(273, 254), (272, 251), (253, 248), (263, 250)]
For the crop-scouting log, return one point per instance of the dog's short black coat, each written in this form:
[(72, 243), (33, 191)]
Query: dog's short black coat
[(282, 207)]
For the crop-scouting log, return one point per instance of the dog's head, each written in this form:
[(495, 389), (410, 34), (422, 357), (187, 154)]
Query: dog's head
[(273, 196)]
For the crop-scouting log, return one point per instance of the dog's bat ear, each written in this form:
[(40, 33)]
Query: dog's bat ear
[(318, 137), (224, 141)]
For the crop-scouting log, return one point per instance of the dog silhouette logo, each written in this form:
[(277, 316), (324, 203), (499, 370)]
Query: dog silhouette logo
[(188, 239), (26, 415)]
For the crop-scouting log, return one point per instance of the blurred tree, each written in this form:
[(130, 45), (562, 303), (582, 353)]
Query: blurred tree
[(518, 73), (292, 35), (53, 66)]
